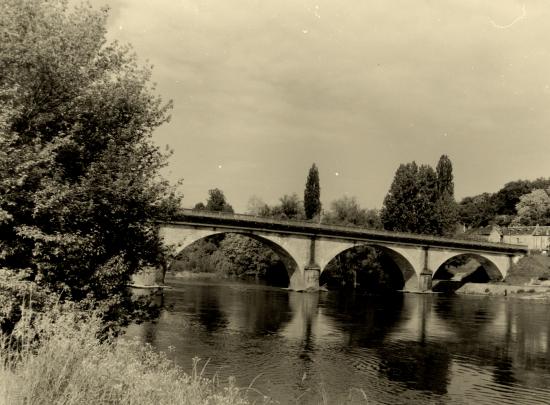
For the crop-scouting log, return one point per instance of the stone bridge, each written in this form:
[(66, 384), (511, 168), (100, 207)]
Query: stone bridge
[(307, 247)]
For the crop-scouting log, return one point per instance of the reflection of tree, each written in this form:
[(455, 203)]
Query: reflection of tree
[(365, 319), (419, 365), (257, 312), (466, 319), (204, 302)]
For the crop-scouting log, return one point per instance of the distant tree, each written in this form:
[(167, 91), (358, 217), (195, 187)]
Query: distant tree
[(446, 208), (399, 212), (312, 193), (420, 201), (499, 207), (199, 206), (290, 207), (533, 209), (256, 206), (216, 201), (505, 200), (477, 211), (346, 211), (444, 172)]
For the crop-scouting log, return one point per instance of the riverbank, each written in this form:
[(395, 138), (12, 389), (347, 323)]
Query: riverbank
[(72, 366), (518, 291)]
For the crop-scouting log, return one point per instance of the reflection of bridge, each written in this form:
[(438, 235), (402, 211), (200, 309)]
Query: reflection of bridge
[(307, 247)]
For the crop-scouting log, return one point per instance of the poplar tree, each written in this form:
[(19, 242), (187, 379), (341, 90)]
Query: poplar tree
[(312, 193), (446, 208)]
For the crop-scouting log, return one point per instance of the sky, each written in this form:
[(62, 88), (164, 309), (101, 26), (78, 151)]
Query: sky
[(262, 89)]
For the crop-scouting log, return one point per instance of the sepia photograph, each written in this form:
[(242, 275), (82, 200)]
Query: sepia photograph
[(274, 202)]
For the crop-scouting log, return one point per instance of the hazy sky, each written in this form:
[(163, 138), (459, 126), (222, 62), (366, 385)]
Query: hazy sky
[(264, 88)]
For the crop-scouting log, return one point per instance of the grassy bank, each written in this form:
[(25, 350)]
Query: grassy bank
[(529, 269), (71, 366)]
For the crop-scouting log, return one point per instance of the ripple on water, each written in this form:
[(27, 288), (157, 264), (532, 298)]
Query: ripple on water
[(411, 350)]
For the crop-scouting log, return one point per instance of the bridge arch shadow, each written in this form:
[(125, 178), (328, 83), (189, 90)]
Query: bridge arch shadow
[(463, 268), (207, 244), (371, 267)]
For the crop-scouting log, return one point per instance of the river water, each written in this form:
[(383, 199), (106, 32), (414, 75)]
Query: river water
[(303, 348)]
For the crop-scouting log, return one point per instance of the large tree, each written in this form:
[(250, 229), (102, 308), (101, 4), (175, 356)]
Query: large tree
[(446, 208), (346, 211), (533, 208), (444, 172), (79, 181), (312, 193), (399, 213), (420, 200), (217, 202)]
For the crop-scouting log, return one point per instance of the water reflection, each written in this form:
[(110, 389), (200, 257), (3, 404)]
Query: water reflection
[(398, 349)]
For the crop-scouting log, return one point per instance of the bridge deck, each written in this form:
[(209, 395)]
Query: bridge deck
[(307, 228)]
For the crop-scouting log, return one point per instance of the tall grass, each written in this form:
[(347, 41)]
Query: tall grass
[(57, 359)]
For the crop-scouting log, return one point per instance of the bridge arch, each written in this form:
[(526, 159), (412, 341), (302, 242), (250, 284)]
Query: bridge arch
[(495, 270), (403, 263), (286, 257)]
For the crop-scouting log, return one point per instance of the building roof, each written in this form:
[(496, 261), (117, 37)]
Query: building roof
[(536, 230)]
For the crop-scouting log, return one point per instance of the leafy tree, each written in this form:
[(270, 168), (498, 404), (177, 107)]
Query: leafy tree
[(346, 211), (421, 200), (533, 209), (312, 193), (78, 169), (499, 207), (290, 207), (256, 206), (477, 211), (199, 206), (506, 199), (399, 211), (216, 201)]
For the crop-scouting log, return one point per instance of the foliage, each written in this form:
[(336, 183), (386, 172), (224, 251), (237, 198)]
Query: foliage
[(420, 200), (500, 207), (533, 209), (366, 266), (346, 211), (232, 255), (476, 211), (78, 169), (256, 206), (290, 207), (216, 201), (444, 173), (312, 193), (71, 366), (199, 206)]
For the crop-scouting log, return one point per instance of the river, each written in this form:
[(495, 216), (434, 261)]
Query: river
[(345, 347)]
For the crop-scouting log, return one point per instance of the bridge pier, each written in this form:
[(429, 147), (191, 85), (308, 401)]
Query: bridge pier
[(311, 277), (425, 276), (312, 271)]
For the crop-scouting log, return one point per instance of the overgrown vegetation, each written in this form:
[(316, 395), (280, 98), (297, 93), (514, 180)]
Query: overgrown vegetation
[(70, 365), (79, 181)]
